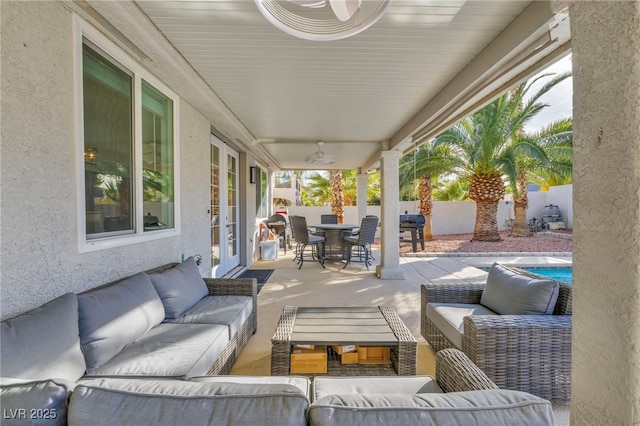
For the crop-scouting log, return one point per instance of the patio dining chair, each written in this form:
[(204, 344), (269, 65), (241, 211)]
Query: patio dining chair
[(362, 241), (304, 239), (328, 218)]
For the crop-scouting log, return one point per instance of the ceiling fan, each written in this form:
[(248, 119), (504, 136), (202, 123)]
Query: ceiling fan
[(319, 157), (322, 19)]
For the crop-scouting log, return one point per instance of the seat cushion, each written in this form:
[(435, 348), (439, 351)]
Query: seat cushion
[(180, 288), (43, 343), (512, 291), (302, 383), (486, 407), (232, 311), (178, 351), (449, 318), (40, 402), (406, 385), (173, 402), (112, 317)]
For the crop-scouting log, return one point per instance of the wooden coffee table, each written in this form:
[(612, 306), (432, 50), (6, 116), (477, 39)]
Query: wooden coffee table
[(366, 326)]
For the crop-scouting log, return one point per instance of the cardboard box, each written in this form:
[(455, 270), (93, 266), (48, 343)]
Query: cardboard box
[(304, 346), (349, 358), (374, 355), (306, 361), (343, 349)]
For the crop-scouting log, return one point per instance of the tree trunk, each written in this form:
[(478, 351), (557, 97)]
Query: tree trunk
[(486, 191), (337, 196), (520, 205), (486, 228), (426, 205)]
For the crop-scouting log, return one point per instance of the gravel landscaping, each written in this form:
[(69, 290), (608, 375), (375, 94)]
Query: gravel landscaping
[(540, 242)]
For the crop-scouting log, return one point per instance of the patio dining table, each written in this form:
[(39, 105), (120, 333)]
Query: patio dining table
[(334, 248)]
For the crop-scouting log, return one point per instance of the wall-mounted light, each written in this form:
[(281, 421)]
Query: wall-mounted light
[(252, 174), (90, 155)]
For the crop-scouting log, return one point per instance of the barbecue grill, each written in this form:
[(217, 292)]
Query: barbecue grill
[(413, 223)]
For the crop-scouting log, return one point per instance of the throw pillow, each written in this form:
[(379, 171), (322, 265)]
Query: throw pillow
[(180, 288), (114, 316), (43, 343), (513, 291)]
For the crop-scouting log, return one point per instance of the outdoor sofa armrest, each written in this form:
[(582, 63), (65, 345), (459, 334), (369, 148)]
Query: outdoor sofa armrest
[(522, 352), (456, 373), (236, 287), (451, 292), (232, 286)]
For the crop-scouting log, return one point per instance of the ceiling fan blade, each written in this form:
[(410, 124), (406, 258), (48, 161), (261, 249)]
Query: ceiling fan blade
[(345, 9), (309, 3)]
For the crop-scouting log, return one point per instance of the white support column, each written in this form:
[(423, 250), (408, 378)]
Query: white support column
[(605, 380), (389, 268), (362, 180)]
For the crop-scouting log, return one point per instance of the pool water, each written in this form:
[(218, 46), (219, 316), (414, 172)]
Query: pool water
[(561, 274)]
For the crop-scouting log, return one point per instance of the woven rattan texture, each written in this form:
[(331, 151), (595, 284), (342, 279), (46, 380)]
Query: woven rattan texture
[(403, 356), (530, 353)]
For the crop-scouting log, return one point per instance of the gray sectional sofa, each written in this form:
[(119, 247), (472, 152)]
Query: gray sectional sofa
[(153, 348)]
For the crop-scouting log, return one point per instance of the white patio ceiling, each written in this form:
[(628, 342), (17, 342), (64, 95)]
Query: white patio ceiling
[(425, 64)]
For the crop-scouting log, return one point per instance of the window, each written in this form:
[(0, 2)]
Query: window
[(128, 143), (262, 206)]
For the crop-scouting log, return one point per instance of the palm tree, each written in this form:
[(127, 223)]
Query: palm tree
[(425, 164), (337, 195), (549, 149), (484, 149), (317, 188)]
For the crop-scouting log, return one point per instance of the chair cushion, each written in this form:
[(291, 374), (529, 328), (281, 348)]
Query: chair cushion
[(301, 382), (173, 402), (43, 343), (42, 402), (232, 311), (511, 291), (408, 385), (180, 288), (449, 318), (114, 316), (486, 407), (178, 351)]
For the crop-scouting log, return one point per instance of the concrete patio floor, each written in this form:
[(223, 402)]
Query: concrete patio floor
[(354, 286)]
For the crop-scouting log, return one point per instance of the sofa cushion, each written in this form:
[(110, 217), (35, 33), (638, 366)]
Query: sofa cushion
[(232, 311), (511, 291), (409, 385), (486, 407), (169, 350), (172, 402), (302, 383), (114, 316), (43, 343), (41, 402), (449, 318), (180, 288)]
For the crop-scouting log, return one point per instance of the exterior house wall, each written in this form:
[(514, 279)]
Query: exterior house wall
[(39, 251)]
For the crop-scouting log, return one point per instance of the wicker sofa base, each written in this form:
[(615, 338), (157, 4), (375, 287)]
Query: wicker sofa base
[(529, 353)]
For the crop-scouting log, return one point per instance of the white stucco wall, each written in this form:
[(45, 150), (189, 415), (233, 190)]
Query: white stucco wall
[(605, 380), (39, 248)]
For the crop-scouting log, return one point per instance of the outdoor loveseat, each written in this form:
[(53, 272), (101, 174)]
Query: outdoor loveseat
[(516, 328)]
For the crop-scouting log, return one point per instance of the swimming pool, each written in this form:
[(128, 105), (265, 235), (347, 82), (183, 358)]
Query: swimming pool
[(564, 274)]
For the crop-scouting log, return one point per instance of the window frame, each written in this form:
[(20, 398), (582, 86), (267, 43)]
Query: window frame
[(84, 31), (267, 190)]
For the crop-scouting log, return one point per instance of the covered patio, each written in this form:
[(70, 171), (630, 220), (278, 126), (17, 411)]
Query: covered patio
[(355, 286), (205, 56)]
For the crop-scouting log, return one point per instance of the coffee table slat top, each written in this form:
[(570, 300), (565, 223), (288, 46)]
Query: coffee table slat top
[(371, 325)]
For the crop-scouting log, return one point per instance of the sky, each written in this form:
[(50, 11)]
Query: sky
[(559, 99)]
